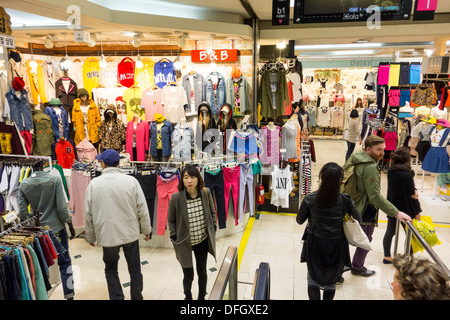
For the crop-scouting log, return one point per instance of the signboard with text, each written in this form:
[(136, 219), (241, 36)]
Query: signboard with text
[(425, 9), (5, 22), (280, 12), (218, 55)]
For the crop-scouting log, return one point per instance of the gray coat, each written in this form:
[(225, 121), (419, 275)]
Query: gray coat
[(199, 91), (178, 222)]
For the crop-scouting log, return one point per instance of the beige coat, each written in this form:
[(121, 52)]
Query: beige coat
[(178, 222), (353, 130)]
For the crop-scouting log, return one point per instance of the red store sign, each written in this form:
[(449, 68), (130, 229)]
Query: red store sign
[(219, 55)]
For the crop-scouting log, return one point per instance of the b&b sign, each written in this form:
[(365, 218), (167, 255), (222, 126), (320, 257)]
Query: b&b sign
[(219, 55)]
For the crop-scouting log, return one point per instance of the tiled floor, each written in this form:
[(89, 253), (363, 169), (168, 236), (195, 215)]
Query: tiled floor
[(273, 238)]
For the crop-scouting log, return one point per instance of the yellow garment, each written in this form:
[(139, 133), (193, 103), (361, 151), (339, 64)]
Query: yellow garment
[(144, 77), (37, 85), (93, 122), (132, 97), (91, 74), (394, 75), (159, 118)]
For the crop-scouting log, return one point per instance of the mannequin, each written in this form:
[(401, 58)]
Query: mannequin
[(158, 138), (112, 131), (271, 126), (183, 123), (86, 118)]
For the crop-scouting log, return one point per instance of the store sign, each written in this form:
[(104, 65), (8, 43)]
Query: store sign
[(5, 22), (82, 36), (7, 41), (280, 12), (424, 9), (218, 55)]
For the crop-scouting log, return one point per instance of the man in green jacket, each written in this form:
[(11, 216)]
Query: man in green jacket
[(362, 182)]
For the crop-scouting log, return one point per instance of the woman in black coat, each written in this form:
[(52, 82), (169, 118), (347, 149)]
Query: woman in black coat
[(401, 192), (325, 248)]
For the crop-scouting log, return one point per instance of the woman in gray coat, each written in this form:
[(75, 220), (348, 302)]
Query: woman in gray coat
[(192, 225)]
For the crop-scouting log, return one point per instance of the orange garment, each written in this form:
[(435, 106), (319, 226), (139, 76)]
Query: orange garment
[(93, 124)]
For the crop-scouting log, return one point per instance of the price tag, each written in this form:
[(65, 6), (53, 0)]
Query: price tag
[(10, 217)]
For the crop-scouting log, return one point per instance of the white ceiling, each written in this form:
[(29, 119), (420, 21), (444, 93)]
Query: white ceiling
[(201, 19)]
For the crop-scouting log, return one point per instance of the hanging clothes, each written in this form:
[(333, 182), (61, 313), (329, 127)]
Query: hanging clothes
[(132, 97), (86, 124), (245, 183), (64, 152), (37, 83), (282, 185), (91, 74), (270, 145), (78, 183), (112, 133), (164, 73), (137, 140), (66, 92), (145, 77), (125, 72), (166, 184), (214, 181), (273, 94), (231, 178), (437, 159), (175, 102), (215, 91), (194, 86), (152, 102)]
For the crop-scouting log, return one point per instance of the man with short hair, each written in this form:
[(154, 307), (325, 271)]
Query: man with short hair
[(116, 214), (362, 182)]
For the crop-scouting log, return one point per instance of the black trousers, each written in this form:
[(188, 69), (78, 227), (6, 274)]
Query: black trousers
[(201, 255), (215, 183), (148, 185)]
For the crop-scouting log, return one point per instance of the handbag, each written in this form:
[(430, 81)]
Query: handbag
[(354, 234)]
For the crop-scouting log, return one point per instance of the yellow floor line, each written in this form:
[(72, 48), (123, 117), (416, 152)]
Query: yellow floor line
[(244, 239)]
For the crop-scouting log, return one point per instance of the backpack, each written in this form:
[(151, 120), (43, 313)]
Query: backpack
[(350, 183)]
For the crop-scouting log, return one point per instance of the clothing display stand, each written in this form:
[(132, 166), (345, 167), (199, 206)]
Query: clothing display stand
[(49, 159)]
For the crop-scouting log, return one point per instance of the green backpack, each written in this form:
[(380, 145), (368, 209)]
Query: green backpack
[(350, 184)]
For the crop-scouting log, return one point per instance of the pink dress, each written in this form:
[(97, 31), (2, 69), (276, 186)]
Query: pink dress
[(165, 188), (77, 189)]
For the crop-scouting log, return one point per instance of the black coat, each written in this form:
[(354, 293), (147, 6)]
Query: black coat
[(400, 189)]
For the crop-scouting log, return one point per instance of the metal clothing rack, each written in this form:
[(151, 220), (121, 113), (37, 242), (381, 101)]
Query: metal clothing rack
[(22, 224), (46, 158)]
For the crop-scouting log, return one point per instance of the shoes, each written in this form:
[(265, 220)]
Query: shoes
[(385, 261), (363, 272), (340, 281)]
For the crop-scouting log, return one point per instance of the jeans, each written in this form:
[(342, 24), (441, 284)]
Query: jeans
[(350, 148), (360, 254), (201, 255), (65, 265), (111, 259)]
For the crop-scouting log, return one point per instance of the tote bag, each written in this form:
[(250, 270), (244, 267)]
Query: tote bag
[(354, 233)]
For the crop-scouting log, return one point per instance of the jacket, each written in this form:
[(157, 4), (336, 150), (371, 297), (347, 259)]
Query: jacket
[(206, 135), (230, 125), (66, 96), (51, 75), (20, 109), (115, 211), (183, 142), (64, 152), (178, 222), (265, 95), (86, 150), (244, 94), (215, 92), (399, 191), (142, 140), (44, 193), (93, 124), (198, 90), (43, 135), (116, 137), (353, 130), (166, 139), (50, 111), (326, 222), (362, 182)]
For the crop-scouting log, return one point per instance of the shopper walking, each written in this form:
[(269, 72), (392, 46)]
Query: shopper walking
[(116, 214), (362, 182), (44, 193), (401, 192), (192, 224), (325, 249), (353, 133), (419, 279)]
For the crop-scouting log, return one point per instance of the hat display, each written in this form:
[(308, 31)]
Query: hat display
[(110, 157), (55, 102), (18, 84), (442, 122)]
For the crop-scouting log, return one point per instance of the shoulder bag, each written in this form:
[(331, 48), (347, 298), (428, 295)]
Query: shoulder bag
[(353, 232)]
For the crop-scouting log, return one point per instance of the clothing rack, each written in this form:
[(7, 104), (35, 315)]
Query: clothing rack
[(22, 224), (42, 158)]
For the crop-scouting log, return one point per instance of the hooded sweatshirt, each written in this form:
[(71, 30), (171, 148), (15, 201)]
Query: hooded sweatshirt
[(230, 124), (362, 182), (207, 135), (112, 137)]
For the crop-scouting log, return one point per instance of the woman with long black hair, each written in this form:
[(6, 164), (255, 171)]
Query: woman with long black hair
[(192, 225), (325, 248)]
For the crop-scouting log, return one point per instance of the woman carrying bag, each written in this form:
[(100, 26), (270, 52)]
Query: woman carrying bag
[(192, 225), (325, 248)]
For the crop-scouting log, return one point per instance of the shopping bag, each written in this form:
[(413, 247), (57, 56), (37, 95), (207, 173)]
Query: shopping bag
[(426, 228), (355, 234)]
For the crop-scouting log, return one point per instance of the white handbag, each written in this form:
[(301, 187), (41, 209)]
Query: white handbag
[(354, 233)]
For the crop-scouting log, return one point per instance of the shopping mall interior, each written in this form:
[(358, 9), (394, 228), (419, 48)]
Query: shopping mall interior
[(169, 65)]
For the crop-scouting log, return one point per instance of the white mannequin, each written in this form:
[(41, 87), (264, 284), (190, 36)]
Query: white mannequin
[(183, 123), (271, 126)]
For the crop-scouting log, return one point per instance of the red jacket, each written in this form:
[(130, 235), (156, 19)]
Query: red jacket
[(64, 151), (142, 139)]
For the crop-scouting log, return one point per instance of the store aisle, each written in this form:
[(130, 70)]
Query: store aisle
[(274, 238)]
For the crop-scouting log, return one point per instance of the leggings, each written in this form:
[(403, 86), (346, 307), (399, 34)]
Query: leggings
[(214, 181), (350, 148), (231, 180), (245, 179), (165, 188), (390, 232), (201, 255)]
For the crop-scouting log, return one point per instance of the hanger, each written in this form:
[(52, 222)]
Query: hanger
[(164, 60), (128, 59), (172, 83), (100, 86), (154, 87), (134, 86)]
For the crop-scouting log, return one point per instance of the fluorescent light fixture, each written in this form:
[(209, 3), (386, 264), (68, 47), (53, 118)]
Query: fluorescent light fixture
[(292, 3), (281, 44), (353, 52), (338, 46), (429, 52), (129, 34)]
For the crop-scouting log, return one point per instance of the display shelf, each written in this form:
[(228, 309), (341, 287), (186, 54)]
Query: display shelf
[(435, 207)]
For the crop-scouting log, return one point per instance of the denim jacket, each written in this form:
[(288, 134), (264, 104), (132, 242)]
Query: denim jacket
[(166, 138), (215, 98), (55, 124), (20, 109), (183, 142), (199, 91)]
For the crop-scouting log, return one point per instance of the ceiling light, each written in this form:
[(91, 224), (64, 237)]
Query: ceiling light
[(91, 43), (429, 52), (338, 46), (136, 43), (48, 43), (281, 44), (139, 63), (354, 52), (103, 63), (67, 62), (33, 64), (129, 34)]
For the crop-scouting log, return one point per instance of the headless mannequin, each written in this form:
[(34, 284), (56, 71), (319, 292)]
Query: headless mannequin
[(183, 123), (159, 157), (271, 126)]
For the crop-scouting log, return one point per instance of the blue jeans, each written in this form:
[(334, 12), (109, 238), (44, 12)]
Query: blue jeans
[(65, 265), (111, 259)]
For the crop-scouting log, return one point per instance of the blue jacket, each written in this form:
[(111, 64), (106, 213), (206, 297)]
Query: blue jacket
[(215, 98), (55, 124), (166, 138), (20, 109)]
